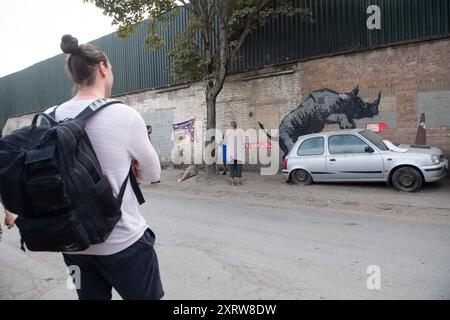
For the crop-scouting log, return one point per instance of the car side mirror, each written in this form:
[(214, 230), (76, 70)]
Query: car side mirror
[(369, 149)]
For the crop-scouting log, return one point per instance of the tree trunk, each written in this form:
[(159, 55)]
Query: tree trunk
[(211, 123), (210, 109), (215, 85)]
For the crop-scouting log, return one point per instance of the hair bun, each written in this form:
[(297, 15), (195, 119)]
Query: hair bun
[(69, 44)]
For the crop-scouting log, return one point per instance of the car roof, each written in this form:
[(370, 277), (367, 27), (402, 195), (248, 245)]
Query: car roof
[(330, 133)]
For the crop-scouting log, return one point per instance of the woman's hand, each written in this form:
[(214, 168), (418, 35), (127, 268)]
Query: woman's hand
[(134, 167), (10, 219)]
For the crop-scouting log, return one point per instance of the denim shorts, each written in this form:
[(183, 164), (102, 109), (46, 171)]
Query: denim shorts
[(236, 169), (133, 272)]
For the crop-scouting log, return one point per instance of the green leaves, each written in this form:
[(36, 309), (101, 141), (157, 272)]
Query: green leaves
[(188, 65), (259, 12), (215, 27)]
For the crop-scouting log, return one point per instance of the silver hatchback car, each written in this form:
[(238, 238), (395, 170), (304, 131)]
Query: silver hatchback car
[(362, 155)]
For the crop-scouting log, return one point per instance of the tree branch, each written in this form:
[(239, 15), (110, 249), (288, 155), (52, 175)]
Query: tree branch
[(248, 28)]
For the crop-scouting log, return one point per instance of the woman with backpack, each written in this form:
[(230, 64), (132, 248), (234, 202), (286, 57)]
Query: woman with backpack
[(126, 260)]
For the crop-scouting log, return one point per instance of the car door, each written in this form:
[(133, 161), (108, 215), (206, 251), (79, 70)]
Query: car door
[(351, 158), (310, 156)]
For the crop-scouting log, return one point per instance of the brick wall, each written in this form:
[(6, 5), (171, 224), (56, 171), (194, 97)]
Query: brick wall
[(412, 78)]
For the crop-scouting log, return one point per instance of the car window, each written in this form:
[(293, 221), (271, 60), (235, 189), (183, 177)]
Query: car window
[(346, 143), (311, 147), (374, 138)]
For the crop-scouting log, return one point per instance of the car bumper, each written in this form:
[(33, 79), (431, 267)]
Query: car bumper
[(285, 175), (435, 172)]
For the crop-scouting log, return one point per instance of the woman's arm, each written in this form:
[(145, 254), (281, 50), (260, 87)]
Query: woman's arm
[(146, 163)]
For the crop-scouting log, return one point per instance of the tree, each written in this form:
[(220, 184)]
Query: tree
[(216, 32)]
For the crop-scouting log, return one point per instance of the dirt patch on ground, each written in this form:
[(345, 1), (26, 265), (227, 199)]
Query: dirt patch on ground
[(434, 199)]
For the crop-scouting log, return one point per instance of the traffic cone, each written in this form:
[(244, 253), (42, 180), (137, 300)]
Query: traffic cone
[(421, 138)]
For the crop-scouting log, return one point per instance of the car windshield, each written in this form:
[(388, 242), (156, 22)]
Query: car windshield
[(374, 138)]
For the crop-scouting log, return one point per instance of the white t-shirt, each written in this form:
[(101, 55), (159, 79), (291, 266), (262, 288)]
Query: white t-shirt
[(235, 142), (118, 134)]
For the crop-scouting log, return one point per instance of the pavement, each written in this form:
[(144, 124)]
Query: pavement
[(270, 240)]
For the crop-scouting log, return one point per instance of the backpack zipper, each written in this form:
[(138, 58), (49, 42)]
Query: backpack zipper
[(75, 185)]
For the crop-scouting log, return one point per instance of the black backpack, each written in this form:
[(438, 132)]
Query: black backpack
[(51, 178)]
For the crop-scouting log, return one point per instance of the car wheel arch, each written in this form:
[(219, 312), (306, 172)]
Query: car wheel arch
[(299, 168), (391, 173)]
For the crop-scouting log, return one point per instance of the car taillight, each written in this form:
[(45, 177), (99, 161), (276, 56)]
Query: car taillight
[(285, 164)]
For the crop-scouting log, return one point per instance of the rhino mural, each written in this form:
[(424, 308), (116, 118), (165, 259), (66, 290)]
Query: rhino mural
[(323, 107)]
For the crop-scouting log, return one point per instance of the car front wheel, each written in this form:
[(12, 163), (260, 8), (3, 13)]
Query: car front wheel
[(407, 179), (301, 176)]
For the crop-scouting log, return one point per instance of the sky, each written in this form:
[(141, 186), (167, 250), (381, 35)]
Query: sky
[(31, 30)]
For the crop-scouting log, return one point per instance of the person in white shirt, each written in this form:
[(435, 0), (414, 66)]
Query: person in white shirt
[(234, 140), (126, 261)]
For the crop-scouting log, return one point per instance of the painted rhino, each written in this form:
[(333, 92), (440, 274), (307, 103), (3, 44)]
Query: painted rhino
[(324, 107)]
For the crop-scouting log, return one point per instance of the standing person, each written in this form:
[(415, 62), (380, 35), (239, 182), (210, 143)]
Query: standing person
[(234, 140), (224, 157), (126, 261), (213, 154), (149, 132)]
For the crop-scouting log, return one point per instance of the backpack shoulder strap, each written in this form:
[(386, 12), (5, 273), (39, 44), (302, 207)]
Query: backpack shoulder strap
[(44, 115), (136, 189), (50, 117), (53, 112), (95, 107)]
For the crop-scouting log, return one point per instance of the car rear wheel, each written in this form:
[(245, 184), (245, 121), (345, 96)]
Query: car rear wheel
[(301, 176), (407, 179)]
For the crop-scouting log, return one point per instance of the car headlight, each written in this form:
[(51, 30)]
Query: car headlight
[(435, 159)]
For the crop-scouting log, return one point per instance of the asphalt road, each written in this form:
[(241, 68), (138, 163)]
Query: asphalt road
[(221, 249)]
